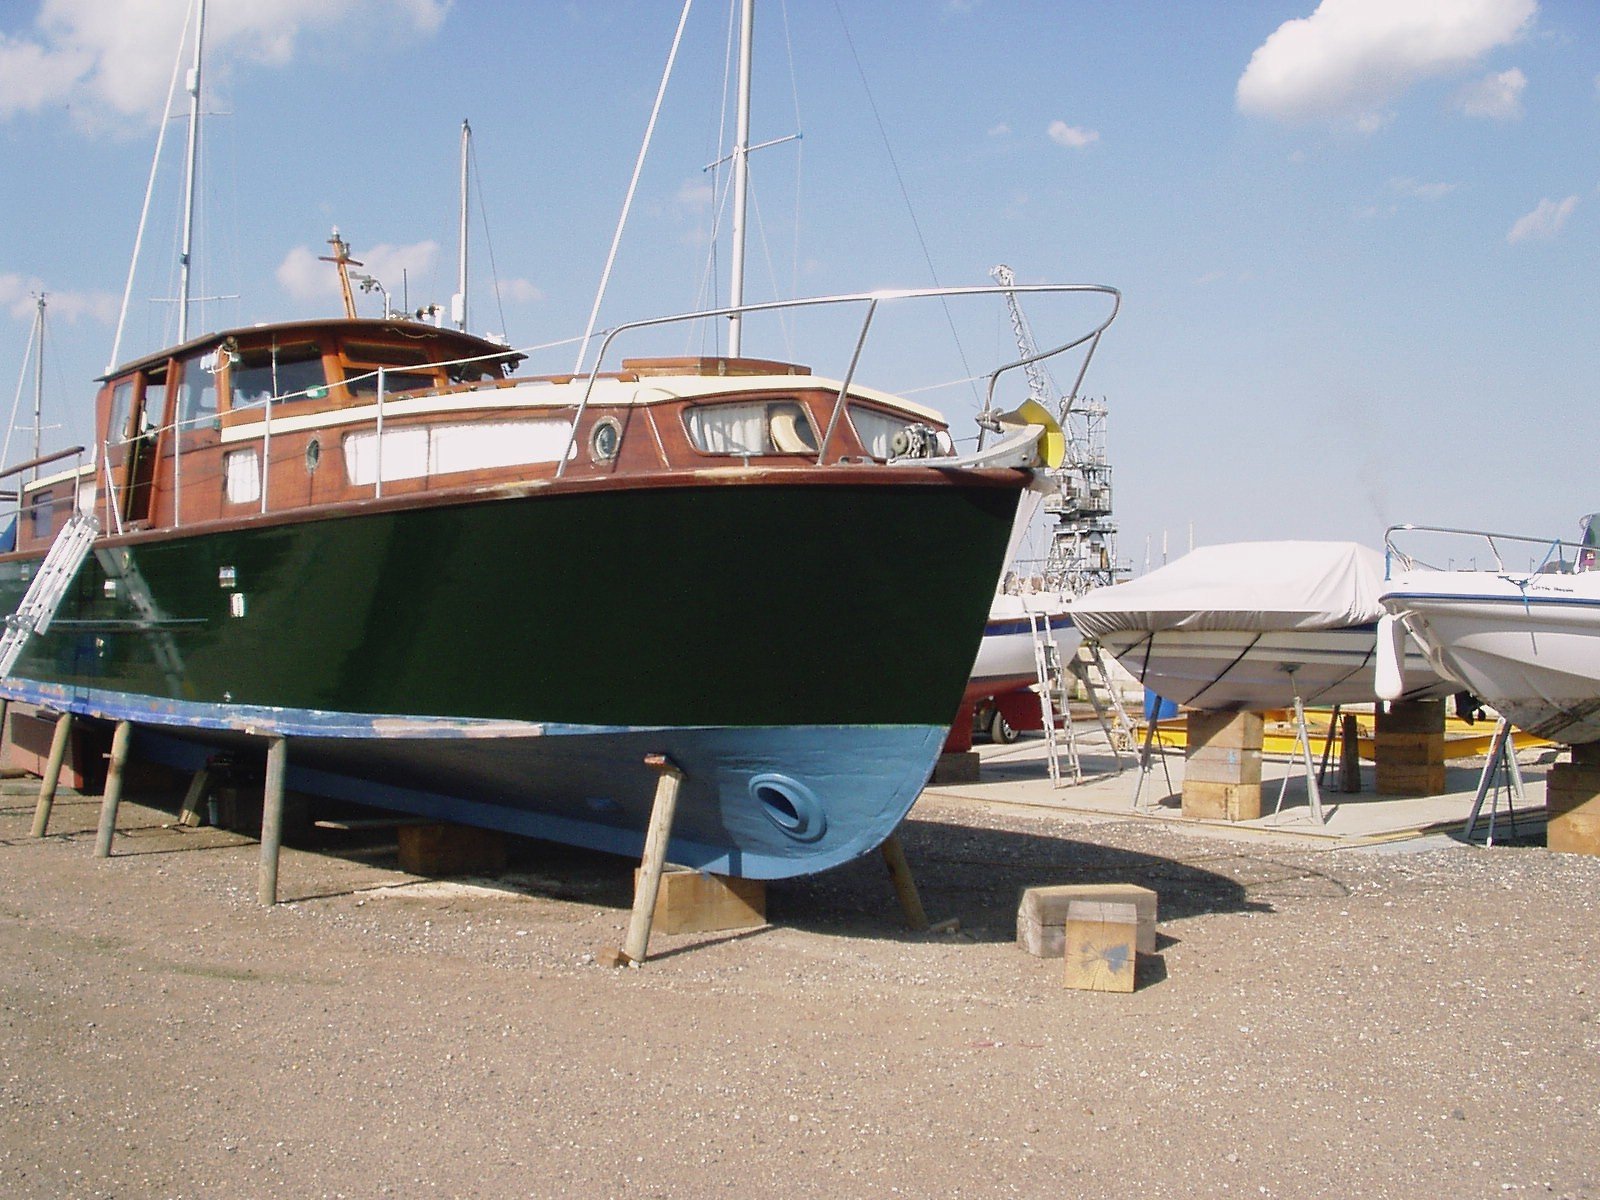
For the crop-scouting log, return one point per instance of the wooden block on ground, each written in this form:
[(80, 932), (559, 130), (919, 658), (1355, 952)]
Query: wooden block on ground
[(1101, 946), (1410, 716), (1398, 780), (956, 768), (1223, 765), (451, 849), (1574, 833), (1570, 788), (1409, 749), (1232, 730), (1221, 801), (1042, 914), (689, 902)]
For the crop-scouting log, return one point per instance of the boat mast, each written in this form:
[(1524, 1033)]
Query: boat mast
[(189, 174), (741, 177), (38, 384), (460, 313), (341, 259)]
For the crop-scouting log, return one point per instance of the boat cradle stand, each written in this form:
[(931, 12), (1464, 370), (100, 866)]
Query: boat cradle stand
[(652, 864)]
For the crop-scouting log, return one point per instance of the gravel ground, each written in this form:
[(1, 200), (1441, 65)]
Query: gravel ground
[(1399, 1021)]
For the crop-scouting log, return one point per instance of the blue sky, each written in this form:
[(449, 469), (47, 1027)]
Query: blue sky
[(1357, 241)]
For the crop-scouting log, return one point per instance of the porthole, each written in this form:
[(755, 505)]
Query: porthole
[(605, 439), (313, 455), (789, 805)]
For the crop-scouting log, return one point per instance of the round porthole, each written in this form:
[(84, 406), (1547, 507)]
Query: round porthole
[(313, 455), (789, 805), (605, 439)]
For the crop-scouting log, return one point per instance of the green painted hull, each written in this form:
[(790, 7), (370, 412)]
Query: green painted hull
[(696, 605)]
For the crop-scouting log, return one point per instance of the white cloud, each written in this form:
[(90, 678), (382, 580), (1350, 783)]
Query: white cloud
[(1415, 189), (1544, 222), (695, 196), (17, 298), (112, 62), (304, 275), (999, 130), (1073, 136), (1350, 59), (1498, 97), (522, 291)]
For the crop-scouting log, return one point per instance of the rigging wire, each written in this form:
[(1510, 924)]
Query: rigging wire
[(149, 190), (905, 194), (633, 185), (483, 215)]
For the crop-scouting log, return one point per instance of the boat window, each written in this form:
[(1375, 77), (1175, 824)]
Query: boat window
[(751, 428), (278, 372), (373, 354), (197, 391), (241, 471), (363, 381), (155, 399), (117, 428), (41, 510), (421, 450), (876, 429)]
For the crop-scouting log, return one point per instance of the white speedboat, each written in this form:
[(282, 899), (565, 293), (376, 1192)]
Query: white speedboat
[(1526, 641), (1248, 626)]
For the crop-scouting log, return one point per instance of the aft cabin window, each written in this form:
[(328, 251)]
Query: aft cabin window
[(278, 373), (761, 427)]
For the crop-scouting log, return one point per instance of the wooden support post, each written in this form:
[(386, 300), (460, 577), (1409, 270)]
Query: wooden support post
[(1222, 766), (905, 886), (52, 774), (1349, 755), (189, 814), (1408, 748), (668, 780), (272, 820), (113, 792)]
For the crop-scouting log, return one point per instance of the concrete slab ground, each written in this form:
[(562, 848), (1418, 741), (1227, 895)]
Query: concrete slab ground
[(1018, 775)]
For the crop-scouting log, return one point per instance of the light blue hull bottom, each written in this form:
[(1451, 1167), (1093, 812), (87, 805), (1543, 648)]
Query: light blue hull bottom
[(755, 802)]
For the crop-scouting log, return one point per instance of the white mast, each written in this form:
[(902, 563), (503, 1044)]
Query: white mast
[(38, 383), (741, 176), (189, 174), (460, 305)]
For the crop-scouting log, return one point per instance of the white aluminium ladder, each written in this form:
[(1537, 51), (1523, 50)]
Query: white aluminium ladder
[(43, 598), (1053, 711)]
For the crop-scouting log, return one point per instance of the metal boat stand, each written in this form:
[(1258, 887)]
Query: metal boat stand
[(1302, 752), (1502, 757), (1151, 737)]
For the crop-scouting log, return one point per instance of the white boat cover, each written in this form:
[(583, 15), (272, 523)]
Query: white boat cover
[(1245, 586)]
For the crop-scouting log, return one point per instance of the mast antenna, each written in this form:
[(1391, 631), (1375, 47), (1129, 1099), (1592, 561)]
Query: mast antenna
[(186, 256), (460, 306)]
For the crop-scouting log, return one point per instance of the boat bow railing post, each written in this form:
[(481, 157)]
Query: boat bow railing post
[(844, 386), (377, 482)]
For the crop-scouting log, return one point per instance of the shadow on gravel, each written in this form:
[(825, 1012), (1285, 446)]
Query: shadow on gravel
[(977, 875), (970, 873)]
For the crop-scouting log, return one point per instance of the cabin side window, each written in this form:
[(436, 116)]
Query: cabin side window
[(197, 392), (277, 373), (41, 513), (118, 430), (876, 429), (751, 428), (403, 370)]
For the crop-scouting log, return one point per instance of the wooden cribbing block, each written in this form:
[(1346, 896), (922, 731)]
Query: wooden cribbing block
[(1042, 914), (1223, 730), (1101, 946), (451, 849), (1221, 801), (690, 902), (1585, 754), (1222, 766), (1572, 806), (1408, 748)]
